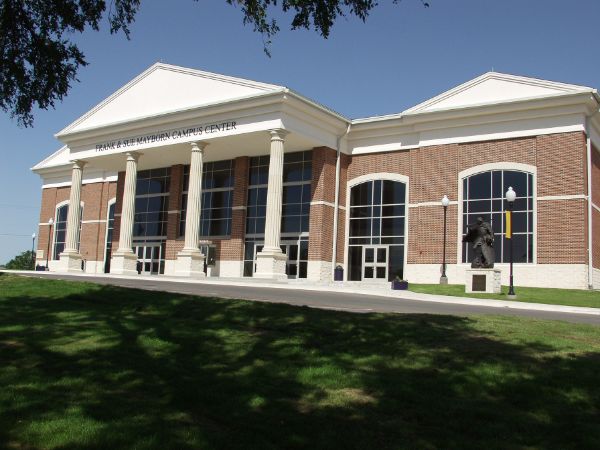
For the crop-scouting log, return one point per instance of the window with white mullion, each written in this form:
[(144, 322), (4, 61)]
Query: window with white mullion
[(483, 195), (296, 194), (216, 201)]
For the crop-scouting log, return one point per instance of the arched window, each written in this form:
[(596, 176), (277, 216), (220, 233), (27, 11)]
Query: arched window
[(60, 229), (376, 230), (483, 195)]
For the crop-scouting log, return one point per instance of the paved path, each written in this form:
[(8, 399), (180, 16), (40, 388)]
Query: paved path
[(325, 297)]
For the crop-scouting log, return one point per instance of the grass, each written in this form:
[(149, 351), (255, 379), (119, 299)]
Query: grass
[(570, 297), (85, 366)]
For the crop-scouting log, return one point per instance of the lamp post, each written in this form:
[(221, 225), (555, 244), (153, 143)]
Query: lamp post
[(444, 278), (32, 251), (50, 222), (510, 199)]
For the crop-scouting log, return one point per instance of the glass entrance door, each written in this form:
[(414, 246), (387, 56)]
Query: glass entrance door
[(297, 257), (375, 262), (150, 256), (291, 265)]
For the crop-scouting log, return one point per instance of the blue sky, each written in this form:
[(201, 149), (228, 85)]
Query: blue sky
[(403, 55)]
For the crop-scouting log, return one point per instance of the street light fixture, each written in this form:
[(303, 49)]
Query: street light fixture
[(511, 196), (444, 278), (32, 251), (50, 222)]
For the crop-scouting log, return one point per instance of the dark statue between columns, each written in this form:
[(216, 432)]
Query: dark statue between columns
[(481, 235)]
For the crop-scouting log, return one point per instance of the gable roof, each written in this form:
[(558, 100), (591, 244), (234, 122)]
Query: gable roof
[(495, 87), (165, 88)]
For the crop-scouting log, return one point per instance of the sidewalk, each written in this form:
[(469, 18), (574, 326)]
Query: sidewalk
[(380, 290)]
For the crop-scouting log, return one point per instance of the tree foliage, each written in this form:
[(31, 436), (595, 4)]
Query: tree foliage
[(24, 261), (39, 61)]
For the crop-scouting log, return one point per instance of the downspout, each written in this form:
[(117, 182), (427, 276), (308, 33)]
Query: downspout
[(590, 210), (336, 211)]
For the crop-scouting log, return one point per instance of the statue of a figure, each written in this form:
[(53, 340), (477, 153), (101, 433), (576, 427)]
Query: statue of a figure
[(481, 235)]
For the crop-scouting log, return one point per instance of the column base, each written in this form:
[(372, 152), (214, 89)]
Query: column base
[(69, 262), (190, 264), (124, 263), (271, 264)]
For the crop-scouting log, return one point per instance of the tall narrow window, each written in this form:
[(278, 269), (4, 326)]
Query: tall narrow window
[(60, 230), (217, 199), (110, 226), (483, 195), (151, 205)]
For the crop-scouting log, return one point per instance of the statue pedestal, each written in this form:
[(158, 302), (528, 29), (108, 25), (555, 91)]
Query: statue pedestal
[(484, 281)]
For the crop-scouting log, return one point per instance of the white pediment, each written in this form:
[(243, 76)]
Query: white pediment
[(59, 158), (163, 89), (494, 87)]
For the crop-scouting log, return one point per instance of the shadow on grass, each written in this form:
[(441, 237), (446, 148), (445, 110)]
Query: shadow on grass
[(85, 366)]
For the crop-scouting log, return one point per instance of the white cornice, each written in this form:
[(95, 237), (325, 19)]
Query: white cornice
[(393, 120)]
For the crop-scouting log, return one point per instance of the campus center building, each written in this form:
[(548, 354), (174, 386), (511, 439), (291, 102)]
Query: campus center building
[(188, 173)]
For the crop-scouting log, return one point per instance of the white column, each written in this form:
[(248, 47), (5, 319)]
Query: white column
[(70, 258), (270, 263), (190, 262), (124, 260)]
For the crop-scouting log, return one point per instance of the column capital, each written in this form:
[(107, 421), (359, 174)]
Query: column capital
[(133, 156), (198, 146), (78, 163), (278, 134)]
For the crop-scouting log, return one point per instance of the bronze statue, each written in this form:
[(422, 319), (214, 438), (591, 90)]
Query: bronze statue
[(481, 235)]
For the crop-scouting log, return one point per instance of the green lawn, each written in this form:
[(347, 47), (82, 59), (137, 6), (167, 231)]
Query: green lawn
[(570, 297), (84, 366)]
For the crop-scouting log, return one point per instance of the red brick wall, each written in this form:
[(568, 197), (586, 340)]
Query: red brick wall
[(344, 167), (176, 187), (320, 239), (233, 249), (433, 172), (595, 212), (561, 161)]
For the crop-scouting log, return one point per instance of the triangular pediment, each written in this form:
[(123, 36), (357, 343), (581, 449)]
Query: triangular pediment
[(163, 89), (59, 158), (494, 87)]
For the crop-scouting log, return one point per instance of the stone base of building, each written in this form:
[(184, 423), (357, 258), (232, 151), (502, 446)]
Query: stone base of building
[(319, 271), (563, 276), (231, 269), (483, 281), (189, 264), (271, 265), (123, 263), (69, 262), (595, 278)]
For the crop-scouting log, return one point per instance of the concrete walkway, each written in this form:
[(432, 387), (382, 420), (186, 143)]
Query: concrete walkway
[(348, 296)]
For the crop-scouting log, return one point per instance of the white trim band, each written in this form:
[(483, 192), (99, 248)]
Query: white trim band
[(418, 205), (564, 197)]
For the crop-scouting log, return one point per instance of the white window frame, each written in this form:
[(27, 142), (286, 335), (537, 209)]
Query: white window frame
[(375, 177), (111, 202), (519, 167), (52, 247)]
